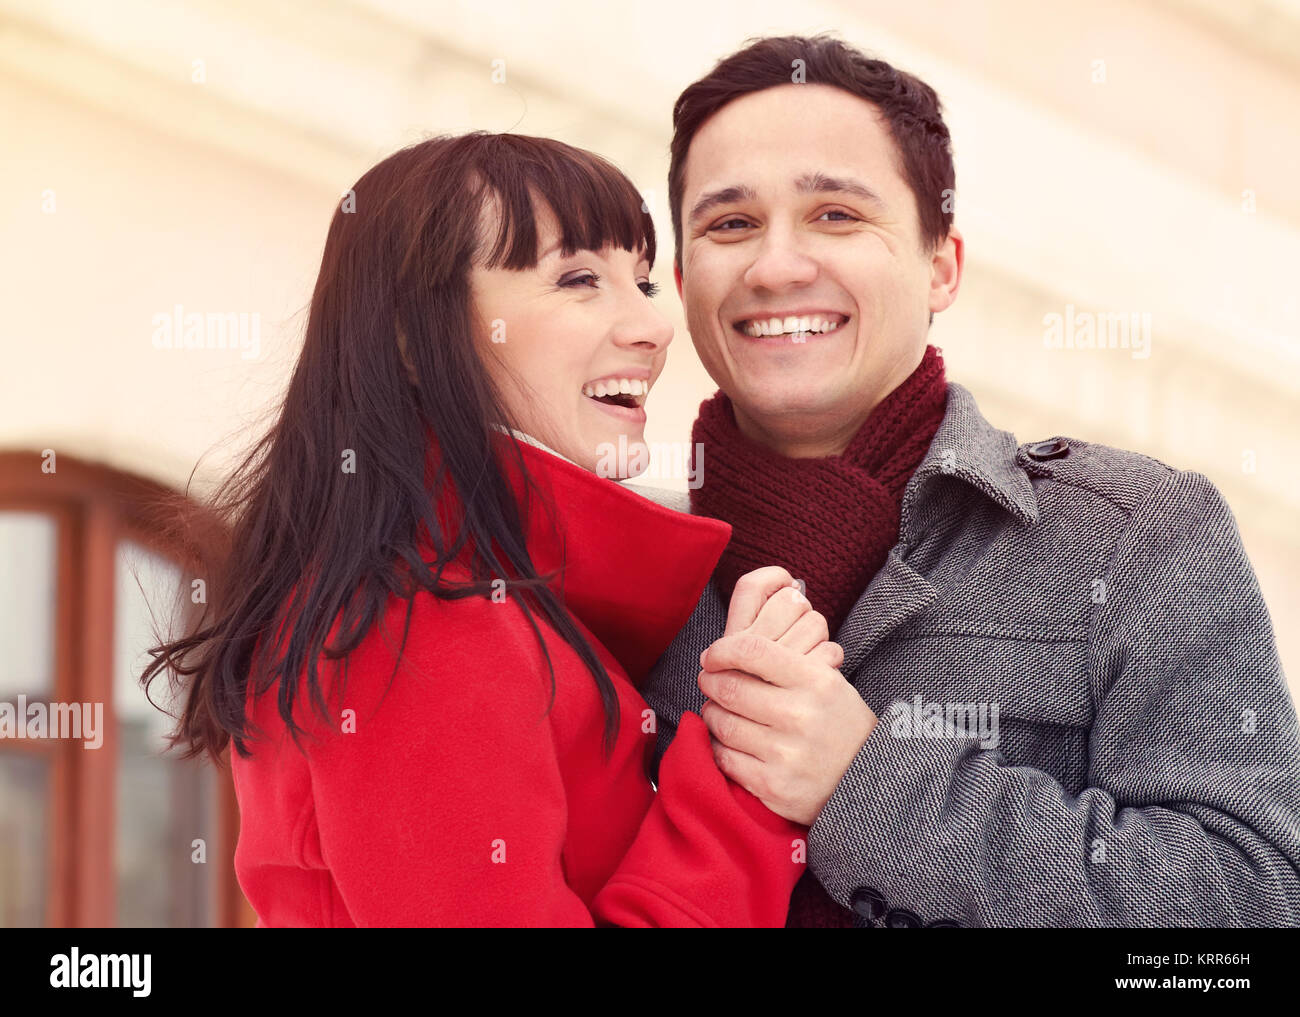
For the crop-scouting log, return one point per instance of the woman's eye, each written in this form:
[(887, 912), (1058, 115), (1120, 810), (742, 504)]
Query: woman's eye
[(649, 289), (590, 279)]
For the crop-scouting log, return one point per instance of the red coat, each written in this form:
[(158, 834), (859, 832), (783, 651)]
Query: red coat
[(455, 802)]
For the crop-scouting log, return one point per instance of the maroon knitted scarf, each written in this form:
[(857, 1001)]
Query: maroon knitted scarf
[(830, 522)]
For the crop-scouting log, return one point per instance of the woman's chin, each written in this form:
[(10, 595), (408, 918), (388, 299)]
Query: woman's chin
[(620, 453)]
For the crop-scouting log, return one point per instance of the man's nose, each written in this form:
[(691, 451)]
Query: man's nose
[(780, 263)]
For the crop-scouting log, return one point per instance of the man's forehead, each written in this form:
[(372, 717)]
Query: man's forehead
[(790, 170), (785, 156)]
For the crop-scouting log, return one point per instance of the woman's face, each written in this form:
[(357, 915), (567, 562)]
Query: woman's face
[(573, 345)]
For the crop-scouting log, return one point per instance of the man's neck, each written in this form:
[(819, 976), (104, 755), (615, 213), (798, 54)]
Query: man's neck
[(801, 437)]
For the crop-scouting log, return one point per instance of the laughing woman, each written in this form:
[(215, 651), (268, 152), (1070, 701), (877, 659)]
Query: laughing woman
[(425, 634)]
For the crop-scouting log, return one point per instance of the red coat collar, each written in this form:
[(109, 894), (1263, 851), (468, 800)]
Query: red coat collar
[(629, 569)]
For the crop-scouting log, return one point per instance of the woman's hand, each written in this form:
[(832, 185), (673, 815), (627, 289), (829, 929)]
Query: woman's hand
[(784, 722), (768, 602)]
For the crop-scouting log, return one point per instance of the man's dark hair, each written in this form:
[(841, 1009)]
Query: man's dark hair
[(908, 105)]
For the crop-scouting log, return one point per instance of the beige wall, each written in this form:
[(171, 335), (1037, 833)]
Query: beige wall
[(1164, 189)]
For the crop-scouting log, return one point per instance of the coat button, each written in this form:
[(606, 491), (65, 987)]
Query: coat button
[(943, 923), (1057, 448), (868, 902), (901, 918)]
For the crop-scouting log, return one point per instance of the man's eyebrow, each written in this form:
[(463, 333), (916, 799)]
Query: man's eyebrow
[(722, 196), (809, 183), (820, 183)]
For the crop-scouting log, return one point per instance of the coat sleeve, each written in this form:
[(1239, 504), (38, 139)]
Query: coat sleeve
[(708, 854), (1191, 813), (445, 806)]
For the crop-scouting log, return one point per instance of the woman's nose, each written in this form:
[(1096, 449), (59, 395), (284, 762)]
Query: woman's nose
[(645, 328)]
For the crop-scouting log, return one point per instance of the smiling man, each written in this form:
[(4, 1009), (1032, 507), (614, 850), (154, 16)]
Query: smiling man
[(1093, 604)]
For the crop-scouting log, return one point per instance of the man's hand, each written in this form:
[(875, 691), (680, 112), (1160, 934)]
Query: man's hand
[(785, 723)]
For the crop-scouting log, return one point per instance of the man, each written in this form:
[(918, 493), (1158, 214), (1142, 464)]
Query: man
[(1064, 704)]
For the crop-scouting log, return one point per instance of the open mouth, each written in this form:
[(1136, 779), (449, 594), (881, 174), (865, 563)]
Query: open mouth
[(626, 392), (795, 327)]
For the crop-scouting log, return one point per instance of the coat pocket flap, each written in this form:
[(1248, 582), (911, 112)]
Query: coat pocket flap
[(1035, 680)]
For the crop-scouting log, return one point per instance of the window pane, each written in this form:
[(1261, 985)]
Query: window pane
[(27, 574), (164, 804), (23, 823)]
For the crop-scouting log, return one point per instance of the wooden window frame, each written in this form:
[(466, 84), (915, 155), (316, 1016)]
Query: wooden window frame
[(94, 508)]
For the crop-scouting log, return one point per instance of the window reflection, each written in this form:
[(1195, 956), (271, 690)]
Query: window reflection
[(164, 804), (24, 799), (27, 614), (27, 577)]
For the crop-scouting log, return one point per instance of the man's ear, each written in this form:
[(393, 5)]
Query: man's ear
[(945, 270), (677, 278)]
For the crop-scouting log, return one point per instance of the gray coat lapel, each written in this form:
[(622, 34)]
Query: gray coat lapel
[(896, 593), (967, 449)]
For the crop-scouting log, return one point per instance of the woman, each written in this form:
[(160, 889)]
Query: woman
[(424, 635)]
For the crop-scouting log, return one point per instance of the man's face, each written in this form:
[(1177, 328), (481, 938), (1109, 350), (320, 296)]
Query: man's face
[(794, 209)]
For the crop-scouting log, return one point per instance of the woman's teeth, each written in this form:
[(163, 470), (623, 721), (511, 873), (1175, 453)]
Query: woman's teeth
[(623, 391), (815, 323)]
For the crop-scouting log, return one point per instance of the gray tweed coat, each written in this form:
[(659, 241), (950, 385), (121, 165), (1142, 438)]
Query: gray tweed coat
[(1083, 718)]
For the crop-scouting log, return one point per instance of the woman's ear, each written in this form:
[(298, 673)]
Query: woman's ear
[(406, 358)]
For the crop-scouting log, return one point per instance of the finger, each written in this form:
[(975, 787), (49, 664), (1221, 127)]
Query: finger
[(751, 593), (737, 732), (743, 694), (828, 653), (809, 631), (744, 769), (761, 658), (785, 607)]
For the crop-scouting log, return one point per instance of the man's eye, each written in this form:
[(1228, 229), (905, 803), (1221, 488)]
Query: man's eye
[(836, 211), (727, 222), (589, 279), (649, 289)]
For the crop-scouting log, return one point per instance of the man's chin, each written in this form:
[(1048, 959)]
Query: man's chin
[(772, 402)]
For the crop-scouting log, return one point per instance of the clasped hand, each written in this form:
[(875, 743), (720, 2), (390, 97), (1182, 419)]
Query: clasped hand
[(785, 723)]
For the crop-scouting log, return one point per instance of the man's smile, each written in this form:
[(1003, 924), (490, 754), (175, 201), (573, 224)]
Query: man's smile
[(783, 328)]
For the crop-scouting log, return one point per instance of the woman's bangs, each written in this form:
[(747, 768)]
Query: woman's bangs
[(593, 203)]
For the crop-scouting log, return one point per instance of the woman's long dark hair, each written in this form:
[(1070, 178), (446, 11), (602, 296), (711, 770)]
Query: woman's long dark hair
[(308, 544)]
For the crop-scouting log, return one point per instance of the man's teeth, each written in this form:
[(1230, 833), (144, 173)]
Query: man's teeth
[(784, 326), (616, 386)]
